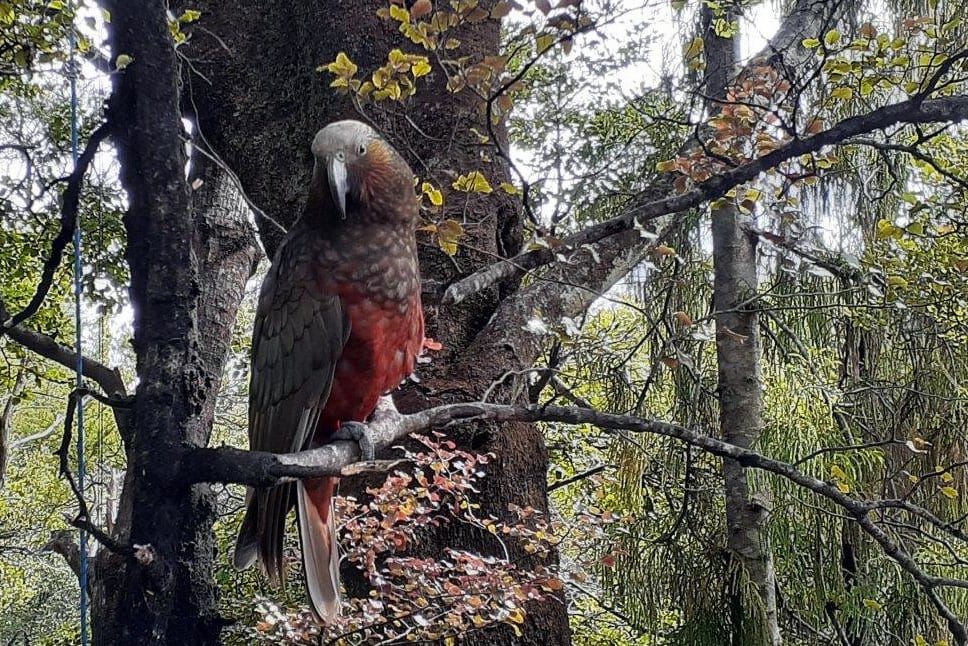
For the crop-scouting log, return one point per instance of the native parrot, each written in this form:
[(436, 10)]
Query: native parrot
[(338, 324)]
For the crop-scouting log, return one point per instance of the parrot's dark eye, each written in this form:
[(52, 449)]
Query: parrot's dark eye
[(361, 150), (340, 156)]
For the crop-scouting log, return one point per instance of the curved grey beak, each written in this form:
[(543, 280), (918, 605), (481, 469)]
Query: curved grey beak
[(336, 173)]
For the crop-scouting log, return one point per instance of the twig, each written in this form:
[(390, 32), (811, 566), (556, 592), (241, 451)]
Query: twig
[(83, 518), (578, 476)]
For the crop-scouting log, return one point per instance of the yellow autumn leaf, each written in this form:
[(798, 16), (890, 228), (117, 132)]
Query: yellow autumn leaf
[(473, 182), (695, 48), (843, 93), (843, 487), (420, 67), (449, 233), (837, 472), (342, 66), (949, 492), (544, 41), (872, 604), (399, 13), (664, 250), (434, 195), (509, 188)]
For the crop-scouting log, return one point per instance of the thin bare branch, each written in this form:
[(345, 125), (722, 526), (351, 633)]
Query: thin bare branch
[(109, 379)]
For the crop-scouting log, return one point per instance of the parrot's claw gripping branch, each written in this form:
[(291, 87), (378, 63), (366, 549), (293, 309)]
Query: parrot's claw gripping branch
[(359, 433)]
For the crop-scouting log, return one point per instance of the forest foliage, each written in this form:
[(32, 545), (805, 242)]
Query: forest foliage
[(859, 220)]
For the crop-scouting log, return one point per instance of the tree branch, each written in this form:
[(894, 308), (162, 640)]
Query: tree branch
[(109, 379), (228, 464), (953, 109), (83, 518), (68, 222)]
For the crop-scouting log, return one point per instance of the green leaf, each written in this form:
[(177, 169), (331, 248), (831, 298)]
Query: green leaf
[(949, 492), (831, 38), (810, 43)]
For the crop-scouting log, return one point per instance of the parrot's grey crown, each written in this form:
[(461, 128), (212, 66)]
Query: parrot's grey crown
[(340, 147), (342, 136)]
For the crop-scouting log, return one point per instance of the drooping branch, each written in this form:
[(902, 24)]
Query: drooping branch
[(228, 464), (83, 518), (946, 109), (68, 223)]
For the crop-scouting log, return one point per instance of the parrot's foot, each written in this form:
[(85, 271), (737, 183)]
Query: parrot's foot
[(359, 433)]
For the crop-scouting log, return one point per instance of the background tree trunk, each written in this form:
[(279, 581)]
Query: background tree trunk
[(740, 380)]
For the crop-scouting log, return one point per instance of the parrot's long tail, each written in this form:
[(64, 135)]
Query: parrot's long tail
[(263, 531), (317, 537)]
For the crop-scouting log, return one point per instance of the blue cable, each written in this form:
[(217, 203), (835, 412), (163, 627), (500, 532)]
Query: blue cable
[(79, 380)]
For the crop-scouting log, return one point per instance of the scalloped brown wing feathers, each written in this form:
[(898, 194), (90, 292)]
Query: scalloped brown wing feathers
[(298, 337)]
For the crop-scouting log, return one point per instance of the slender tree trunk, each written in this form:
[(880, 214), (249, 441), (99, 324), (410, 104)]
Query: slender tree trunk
[(740, 382), (6, 421)]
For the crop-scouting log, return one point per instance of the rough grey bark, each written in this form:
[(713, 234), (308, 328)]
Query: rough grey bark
[(740, 382)]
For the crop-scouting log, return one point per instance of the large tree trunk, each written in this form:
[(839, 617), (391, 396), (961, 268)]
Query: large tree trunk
[(259, 108), (740, 382), (188, 271)]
